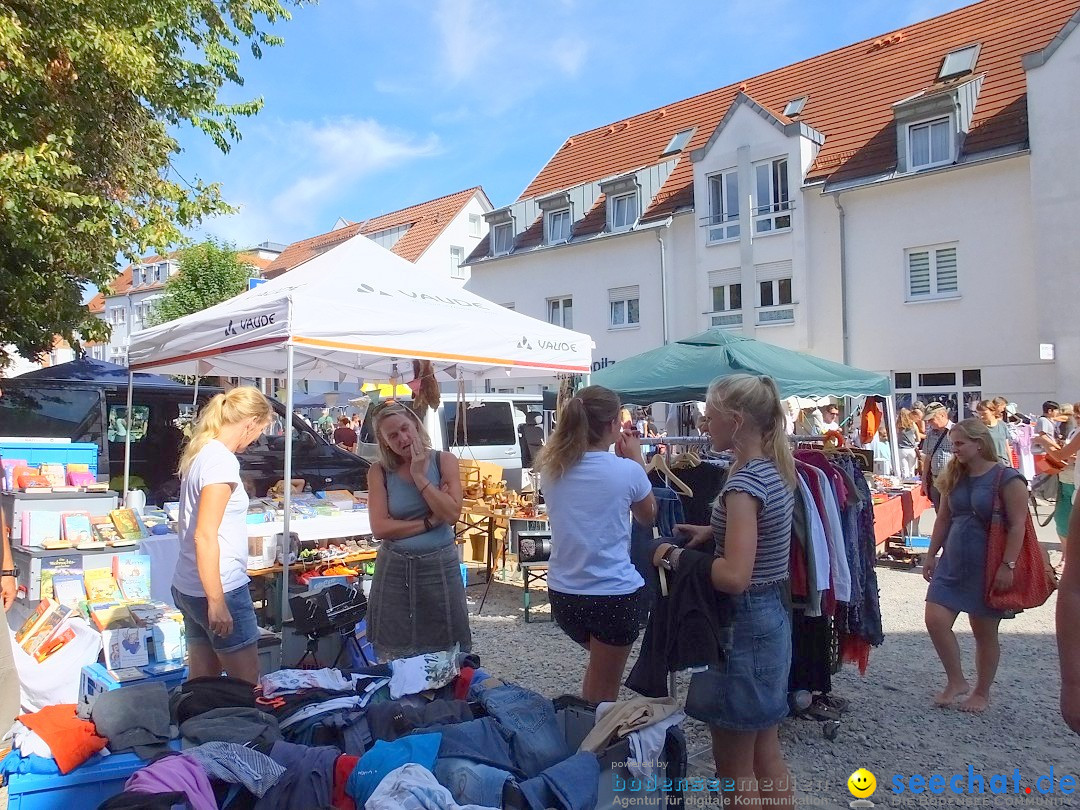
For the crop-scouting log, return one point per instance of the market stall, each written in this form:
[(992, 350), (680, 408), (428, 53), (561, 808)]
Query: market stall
[(357, 313)]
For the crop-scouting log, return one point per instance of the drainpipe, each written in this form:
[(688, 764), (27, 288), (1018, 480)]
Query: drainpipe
[(843, 280), (663, 280)]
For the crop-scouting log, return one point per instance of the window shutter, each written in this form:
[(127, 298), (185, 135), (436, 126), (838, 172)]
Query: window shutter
[(623, 293), (918, 274), (947, 281)]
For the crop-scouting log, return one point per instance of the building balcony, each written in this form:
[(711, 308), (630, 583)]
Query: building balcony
[(720, 228), (774, 218)]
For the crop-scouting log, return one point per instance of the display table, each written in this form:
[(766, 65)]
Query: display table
[(898, 512), (356, 523)]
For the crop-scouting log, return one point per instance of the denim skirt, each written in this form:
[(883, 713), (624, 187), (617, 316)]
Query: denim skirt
[(749, 691), (417, 603)]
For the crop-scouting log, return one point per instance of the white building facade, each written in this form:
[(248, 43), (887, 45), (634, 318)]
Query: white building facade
[(935, 243)]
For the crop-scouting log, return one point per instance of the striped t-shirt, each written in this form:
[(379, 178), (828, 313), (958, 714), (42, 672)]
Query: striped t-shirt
[(761, 480)]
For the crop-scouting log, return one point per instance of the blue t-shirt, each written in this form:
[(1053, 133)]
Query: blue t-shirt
[(589, 513)]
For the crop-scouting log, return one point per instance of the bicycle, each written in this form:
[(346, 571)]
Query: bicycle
[(1044, 489)]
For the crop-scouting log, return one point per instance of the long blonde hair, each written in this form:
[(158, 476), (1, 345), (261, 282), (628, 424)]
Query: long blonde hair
[(974, 430), (584, 420), (229, 408), (757, 400), (388, 459), (905, 421)]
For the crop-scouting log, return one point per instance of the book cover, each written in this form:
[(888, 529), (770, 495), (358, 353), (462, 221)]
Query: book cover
[(172, 509), (132, 575), (32, 643), (33, 620), (75, 467), (40, 527), (101, 586), (127, 524), (68, 588), (105, 533), (163, 667), (54, 643), (125, 647), (127, 675), (81, 479), (110, 615), (9, 465), (54, 473), (51, 566), (146, 614)]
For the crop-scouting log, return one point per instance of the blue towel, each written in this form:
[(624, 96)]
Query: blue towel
[(421, 749)]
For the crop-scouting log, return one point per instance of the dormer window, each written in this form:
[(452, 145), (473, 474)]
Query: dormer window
[(558, 217), (959, 62), (930, 143), (136, 276), (622, 202), (558, 226), (502, 238)]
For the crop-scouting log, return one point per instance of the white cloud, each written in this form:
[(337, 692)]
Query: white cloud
[(291, 175)]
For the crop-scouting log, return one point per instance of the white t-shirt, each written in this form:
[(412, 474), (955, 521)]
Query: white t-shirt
[(1044, 424), (215, 464), (589, 512)]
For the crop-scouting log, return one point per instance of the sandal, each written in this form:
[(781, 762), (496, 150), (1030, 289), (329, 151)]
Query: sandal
[(818, 711), (836, 702)]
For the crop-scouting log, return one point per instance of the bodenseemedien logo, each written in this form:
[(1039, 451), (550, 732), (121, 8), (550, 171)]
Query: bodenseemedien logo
[(862, 784)]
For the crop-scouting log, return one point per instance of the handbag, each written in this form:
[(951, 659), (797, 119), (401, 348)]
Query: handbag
[(1033, 581)]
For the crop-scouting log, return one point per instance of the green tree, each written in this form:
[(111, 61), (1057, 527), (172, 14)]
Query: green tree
[(94, 96), (210, 272)]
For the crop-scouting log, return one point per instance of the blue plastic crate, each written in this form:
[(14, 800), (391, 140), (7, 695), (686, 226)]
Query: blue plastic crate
[(96, 780), (917, 543), (37, 453)]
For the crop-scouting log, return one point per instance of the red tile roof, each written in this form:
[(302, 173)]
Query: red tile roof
[(851, 91), (426, 220)]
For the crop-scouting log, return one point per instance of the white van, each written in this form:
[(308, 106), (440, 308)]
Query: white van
[(490, 430)]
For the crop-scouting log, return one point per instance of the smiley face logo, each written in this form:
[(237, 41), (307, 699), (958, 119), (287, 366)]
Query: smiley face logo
[(862, 784)]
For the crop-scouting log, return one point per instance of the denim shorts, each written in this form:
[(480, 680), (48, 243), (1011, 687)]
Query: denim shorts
[(245, 630), (614, 620), (749, 691)]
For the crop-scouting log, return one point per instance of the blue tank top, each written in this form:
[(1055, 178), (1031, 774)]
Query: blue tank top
[(404, 502)]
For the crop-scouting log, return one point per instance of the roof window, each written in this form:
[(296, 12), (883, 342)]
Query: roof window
[(959, 62), (795, 106), (678, 142)]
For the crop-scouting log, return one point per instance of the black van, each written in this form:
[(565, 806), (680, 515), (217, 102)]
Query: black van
[(92, 410)]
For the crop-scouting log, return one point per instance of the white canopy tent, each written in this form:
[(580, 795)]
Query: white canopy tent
[(356, 312)]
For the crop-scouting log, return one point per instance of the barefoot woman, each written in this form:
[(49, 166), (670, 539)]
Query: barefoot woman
[(957, 579)]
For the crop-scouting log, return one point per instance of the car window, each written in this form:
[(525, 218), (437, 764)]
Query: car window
[(55, 413), (119, 425), (486, 423)]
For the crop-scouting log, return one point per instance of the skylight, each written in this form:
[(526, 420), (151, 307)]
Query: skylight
[(678, 142), (795, 106), (959, 62)]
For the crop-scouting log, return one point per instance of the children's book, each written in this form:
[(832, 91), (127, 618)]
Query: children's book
[(40, 527), (125, 647), (77, 528), (81, 479), (52, 566), (9, 465), (132, 574), (44, 607), (110, 615), (127, 524), (101, 586), (58, 639), (69, 589), (54, 473), (50, 625)]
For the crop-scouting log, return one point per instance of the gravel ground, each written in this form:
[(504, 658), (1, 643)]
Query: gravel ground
[(891, 727)]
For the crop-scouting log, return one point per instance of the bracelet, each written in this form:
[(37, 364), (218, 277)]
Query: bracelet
[(425, 486)]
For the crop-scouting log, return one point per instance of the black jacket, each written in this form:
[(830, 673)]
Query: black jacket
[(691, 627)]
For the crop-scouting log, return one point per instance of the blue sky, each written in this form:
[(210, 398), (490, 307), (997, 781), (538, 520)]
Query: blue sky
[(373, 106)]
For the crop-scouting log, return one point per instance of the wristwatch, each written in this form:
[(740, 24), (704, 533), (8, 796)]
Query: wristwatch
[(9, 572), (1010, 565), (665, 561)]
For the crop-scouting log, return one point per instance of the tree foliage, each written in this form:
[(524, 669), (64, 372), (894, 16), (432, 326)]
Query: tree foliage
[(93, 97), (210, 272)]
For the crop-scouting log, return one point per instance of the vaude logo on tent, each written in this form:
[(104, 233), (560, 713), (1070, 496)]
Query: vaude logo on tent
[(247, 324), (550, 345), (420, 296)]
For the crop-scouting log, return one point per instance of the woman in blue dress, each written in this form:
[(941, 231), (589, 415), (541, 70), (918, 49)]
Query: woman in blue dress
[(957, 579)]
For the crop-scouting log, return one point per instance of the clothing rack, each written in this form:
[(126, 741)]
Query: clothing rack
[(702, 440)]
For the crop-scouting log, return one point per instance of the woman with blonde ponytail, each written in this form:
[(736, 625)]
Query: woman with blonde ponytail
[(210, 585), (744, 700), (597, 596)]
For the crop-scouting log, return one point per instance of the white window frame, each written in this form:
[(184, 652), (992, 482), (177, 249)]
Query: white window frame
[(723, 225), (118, 315), (773, 215), (726, 315), (619, 300), (613, 207), (556, 311), (496, 231), (780, 311), (928, 124), (476, 230), (457, 260), (937, 290), (559, 218)]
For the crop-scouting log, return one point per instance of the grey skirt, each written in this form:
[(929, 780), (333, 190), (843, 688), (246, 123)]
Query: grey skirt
[(417, 603)]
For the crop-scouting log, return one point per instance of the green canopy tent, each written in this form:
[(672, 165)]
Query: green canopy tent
[(682, 371)]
